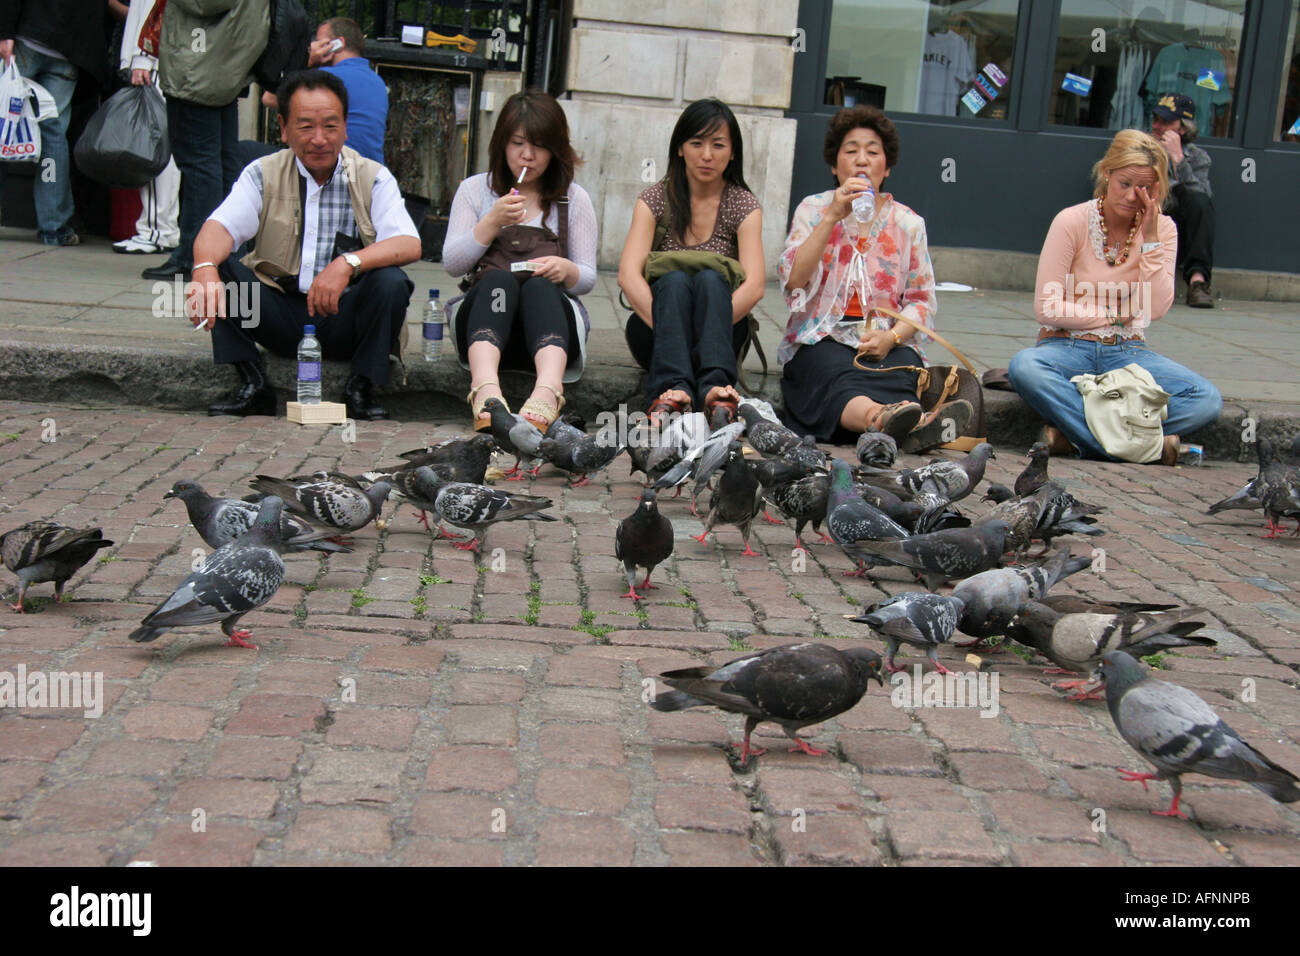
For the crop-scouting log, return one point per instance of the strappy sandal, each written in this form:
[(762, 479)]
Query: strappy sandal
[(721, 412), (476, 407), (664, 405), (544, 411), (899, 419)]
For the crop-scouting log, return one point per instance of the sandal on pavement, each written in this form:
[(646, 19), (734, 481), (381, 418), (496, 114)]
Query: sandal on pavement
[(544, 412), (950, 417), (482, 424), (898, 420)]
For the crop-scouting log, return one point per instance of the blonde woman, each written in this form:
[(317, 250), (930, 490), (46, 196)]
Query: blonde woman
[(1105, 274)]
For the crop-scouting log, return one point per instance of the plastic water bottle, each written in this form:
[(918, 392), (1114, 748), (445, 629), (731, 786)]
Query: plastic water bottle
[(864, 205), (309, 367), (434, 323)]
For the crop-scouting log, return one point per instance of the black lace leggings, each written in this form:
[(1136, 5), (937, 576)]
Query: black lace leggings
[(518, 318)]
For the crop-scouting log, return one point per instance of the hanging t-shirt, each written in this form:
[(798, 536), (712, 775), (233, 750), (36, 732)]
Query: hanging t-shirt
[(1176, 70), (946, 71)]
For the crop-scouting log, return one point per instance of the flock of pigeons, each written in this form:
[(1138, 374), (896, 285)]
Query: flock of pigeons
[(879, 517)]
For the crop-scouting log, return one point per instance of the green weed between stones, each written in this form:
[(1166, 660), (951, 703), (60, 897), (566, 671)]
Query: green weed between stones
[(360, 598)]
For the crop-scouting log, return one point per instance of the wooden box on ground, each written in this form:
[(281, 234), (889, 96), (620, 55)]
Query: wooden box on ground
[(323, 413)]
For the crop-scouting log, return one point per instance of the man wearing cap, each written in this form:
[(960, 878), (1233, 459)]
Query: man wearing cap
[(1173, 122)]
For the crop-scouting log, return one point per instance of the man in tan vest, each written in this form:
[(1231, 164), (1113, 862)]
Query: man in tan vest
[(306, 209)]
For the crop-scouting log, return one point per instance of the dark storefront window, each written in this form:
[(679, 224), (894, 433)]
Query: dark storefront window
[(1289, 121), (1110, 69), (941, 59)]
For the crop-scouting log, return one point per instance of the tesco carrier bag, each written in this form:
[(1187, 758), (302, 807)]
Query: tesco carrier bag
[(20, 130)]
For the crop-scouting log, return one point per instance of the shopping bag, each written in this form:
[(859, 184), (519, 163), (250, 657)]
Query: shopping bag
[(20, 131), (125, 143)]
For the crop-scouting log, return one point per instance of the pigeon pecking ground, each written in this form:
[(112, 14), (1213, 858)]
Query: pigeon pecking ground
[(411, 703)]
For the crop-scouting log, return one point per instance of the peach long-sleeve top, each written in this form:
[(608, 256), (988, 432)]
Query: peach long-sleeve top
[(1077, 289)]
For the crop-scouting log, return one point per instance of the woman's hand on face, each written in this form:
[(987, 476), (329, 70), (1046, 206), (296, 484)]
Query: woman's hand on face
[(1150, 214), (875, 344), (848, 190), (555, 268), (507, 211)]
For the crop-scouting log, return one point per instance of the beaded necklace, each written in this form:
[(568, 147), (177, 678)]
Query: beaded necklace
[(1128, 243)]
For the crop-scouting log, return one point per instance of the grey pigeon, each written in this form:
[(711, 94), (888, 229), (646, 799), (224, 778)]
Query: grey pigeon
[(337, 500), (477, 507), (1022, 516), (643, 539), (948, 479), (1035, 474), (456, 459), (48, 551), (850, 520), (736, 499), (1074, 604), (679, 436), (1061, 512), (221, 520), (581, 457), (1281, 499), (1076, 642), (794, 685), (876, 450), (807, 453), (701, 460), (801, 501), (1177, 732), (764, 435), (920, 619), (941, 555), (991, 599), (514, 434), (233, 580)]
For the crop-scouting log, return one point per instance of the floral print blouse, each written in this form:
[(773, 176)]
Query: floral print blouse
[(898, 269)]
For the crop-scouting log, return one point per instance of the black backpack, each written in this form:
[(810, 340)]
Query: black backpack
[(286, 45)]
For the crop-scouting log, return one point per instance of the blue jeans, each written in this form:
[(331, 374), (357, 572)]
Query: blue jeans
[(52, 187), (693, 344), (1041, 376), (205, 145)]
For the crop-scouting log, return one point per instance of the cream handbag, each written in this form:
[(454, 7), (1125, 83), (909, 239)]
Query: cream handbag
[(1124, 410)]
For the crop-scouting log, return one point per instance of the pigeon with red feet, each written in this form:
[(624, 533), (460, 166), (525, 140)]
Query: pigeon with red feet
[(221, 520), (42, 551), (477, 507), (235, 579), (643, 539), (852, 521), (327, 498), (1077, 641), (513, 433), (736, 500), (915, 617), (993, 598), (795, 685), (455, 459), (1177, 732)]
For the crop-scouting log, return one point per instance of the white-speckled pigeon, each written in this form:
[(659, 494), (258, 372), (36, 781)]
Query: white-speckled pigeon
[(477, 507), (851, 521), (794, 685), (1177, 732), (336, 500), (235, 579), (736, 500), (876, 450), (48, 551), (917, 618), (221, 520)]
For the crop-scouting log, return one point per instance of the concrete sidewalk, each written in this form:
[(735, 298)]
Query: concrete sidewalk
[(79, 324)]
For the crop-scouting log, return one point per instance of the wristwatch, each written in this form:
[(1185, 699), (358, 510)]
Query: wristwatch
[(354, 260)]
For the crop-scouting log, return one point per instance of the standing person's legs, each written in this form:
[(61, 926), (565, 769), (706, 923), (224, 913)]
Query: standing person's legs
[(1041, 376), (52, 186), (196, 134)]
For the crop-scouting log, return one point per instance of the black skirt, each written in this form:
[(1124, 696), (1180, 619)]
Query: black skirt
[(821, 379)]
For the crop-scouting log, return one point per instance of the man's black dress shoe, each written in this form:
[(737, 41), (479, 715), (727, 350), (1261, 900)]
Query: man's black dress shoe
[(167, 271), (254, 396), (359, 396)]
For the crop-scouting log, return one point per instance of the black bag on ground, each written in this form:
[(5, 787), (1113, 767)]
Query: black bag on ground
[(125, 143), (286, 45)]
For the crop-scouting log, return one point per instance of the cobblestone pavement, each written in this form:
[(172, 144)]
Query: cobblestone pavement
[(412, 705)]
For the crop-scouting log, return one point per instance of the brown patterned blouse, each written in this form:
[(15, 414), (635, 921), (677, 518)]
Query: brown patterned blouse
[(735, 205)]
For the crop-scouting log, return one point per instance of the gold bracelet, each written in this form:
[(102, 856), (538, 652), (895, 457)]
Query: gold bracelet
[(897, 341)]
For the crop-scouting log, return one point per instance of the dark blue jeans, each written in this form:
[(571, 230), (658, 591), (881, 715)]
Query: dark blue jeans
[(693, 344), (205, 145), (371, 316)]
